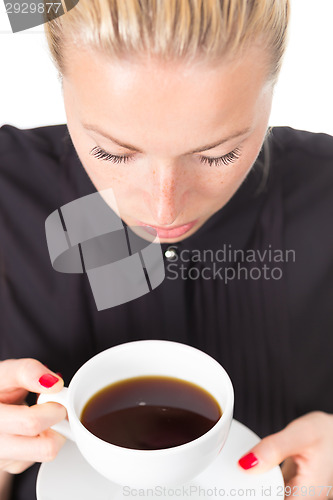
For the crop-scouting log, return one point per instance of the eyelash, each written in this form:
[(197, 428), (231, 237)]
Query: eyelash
[(231, 157), (222, 160)]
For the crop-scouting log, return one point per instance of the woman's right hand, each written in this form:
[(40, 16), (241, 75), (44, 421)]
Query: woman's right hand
[(25, 434)]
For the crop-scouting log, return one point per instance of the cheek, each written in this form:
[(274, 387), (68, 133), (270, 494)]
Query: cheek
[(125, 181), (222, 181), (103, 174)]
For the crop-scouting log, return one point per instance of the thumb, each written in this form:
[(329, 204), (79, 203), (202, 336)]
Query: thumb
[(274, 449), (28, 374)]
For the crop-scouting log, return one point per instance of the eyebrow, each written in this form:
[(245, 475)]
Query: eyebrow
[(93, 128)]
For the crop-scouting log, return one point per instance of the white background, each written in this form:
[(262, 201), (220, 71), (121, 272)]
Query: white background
[(30, 93)]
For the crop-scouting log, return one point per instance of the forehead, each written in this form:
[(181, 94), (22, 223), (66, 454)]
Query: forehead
[(139, 99)]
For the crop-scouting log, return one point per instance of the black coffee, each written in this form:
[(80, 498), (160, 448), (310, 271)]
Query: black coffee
[(149, 413)]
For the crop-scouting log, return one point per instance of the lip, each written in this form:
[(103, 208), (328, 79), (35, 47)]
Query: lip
[(163, 232)]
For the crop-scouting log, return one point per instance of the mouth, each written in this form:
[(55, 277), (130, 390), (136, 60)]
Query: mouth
[(166, 232)]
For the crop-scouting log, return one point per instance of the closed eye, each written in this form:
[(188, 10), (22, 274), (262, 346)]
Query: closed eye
[(222, 160), (101, 154)]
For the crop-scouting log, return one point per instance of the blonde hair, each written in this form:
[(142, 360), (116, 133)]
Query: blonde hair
[(172, 28)]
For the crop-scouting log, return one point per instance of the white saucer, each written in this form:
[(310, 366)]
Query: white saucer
[(69, 477)]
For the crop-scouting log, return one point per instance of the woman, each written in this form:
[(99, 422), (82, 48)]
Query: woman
[(168, 104)]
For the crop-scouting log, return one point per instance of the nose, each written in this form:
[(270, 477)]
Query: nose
[(165, 193)]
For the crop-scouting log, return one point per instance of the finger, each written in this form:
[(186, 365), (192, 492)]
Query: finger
[(42, 448), (30, 420), (292, 440), (14, 467), (288, 469), (5, 485), (16, 396), (26, 373)]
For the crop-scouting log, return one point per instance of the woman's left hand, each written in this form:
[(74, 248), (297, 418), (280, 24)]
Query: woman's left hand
[(306, 448)]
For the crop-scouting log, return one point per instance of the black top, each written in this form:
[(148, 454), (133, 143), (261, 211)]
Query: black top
[(271, 326)]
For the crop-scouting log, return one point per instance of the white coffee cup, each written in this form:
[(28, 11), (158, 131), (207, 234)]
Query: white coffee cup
[(146, 468)]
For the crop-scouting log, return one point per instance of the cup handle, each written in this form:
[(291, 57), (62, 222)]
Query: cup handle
[(61, 397)]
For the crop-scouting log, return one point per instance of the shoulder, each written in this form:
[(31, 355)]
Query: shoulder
[(31, 157), (40, 166), (50, 141), (43, 138), (304, 159), (304, 162), (293, 141), (29, 182), (39, 172)]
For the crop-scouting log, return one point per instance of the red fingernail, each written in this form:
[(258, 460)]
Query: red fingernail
[(48, 380), (248, 461)]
